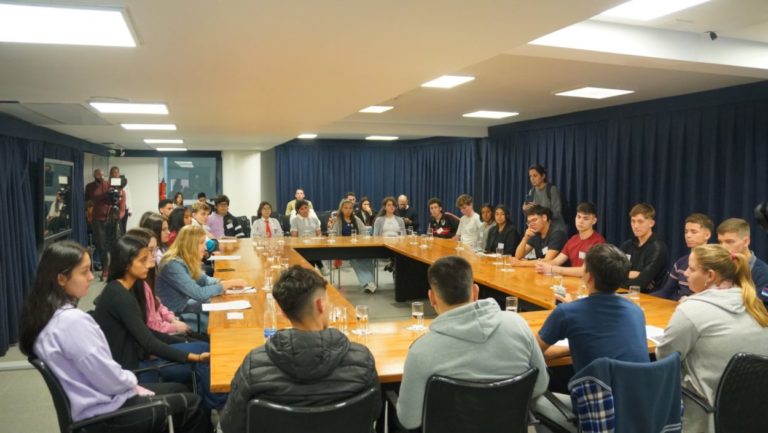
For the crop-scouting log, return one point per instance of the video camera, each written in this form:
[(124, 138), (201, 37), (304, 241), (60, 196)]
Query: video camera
[(115, 192)]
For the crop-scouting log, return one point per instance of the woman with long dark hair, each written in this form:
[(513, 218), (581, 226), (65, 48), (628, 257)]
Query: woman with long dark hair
[(74, 347), (366, 213), (177, 220), (156, 315), (388, 224), (503, 233), (132, 343), (159, 226), (344, 225), (178, 200), (265, 226)]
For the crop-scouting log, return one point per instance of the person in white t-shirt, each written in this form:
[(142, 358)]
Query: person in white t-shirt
[(470, 228)]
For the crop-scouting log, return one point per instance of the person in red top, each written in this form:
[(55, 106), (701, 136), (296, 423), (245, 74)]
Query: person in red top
[(105, 229), (577, 246)]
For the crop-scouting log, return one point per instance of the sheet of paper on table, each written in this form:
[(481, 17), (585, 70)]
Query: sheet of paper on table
[(214, 258), (224, 306)]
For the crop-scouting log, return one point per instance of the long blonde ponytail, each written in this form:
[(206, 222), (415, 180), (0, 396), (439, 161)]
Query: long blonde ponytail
[(735, 268)]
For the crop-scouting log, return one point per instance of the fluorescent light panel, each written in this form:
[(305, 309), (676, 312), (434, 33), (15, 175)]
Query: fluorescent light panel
[(594, 93), (486, 114), (381, 138), (129, 108), (64, 26), (171, 149), (185, 164), (149, 126), (307, 136), (163, 141), (646, 10), (448, 81), (377, 109)]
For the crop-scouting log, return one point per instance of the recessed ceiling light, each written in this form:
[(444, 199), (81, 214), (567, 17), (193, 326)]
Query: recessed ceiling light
[(129, 108), (185, 164), (163, 141), (306, 136), (376, 109), (594, 93), (448, 81), (646, 10), (485, 114), (149, 126), (381, 138), (171, 149), (66, 26)]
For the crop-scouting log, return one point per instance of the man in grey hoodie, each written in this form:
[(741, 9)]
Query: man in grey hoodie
[(470, 339)]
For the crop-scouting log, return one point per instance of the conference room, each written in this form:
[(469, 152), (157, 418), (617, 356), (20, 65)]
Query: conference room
[(313, 109)]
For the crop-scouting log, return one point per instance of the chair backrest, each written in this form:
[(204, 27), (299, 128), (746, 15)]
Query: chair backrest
[(453, 405), (246, 225), (60, 400), (628, 396), (742, 397), (323, 217), (353, 415)]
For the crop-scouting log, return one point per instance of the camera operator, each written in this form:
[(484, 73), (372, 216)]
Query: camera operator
[(114, 173), (108, 208)]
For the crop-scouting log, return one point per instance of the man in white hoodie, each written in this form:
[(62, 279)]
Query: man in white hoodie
[(469, 340)]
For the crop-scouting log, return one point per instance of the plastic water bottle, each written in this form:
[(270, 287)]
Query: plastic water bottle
[(270, 317)]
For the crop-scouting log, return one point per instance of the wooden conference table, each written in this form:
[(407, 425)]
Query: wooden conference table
[(233, 339)]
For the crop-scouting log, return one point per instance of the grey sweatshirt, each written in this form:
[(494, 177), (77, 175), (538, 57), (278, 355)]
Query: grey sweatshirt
[(475, 341), (708, 329)]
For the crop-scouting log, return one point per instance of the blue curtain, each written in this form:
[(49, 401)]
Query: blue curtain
[(698, 153), (18, 260), (79, 225), (421, 169)]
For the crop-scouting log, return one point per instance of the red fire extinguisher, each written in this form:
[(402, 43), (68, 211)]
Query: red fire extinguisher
[(162, 189)]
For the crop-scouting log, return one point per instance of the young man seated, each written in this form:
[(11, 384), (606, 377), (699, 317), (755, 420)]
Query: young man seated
[(222, 223), (440, 224), (470, 228), (200, 213), (647, 254), (470, 339), (308, 365), (698, 230), (601, 325), (734, 235), (577, 246), (545, 240)]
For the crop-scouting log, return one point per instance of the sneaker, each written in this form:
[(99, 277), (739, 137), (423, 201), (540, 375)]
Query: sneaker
[(370, 287), (324, 270)]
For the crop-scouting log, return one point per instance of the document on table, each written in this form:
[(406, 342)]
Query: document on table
[(654, 333), (235, 315), (224, 306), (213, 258), (227, 241), (244, 290)]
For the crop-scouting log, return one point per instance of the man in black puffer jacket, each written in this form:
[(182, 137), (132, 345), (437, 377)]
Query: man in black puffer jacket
[(309, 365)]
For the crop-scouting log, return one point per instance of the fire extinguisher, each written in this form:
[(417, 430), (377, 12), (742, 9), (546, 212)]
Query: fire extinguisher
[(162, 189)]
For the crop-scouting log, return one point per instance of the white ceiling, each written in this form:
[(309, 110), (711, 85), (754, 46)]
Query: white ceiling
[(246, 74)]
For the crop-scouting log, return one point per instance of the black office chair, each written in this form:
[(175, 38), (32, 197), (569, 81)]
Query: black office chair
[(157, 423), (741, 401), (454, 405), (349, 416), (323, 217), (245, 224)]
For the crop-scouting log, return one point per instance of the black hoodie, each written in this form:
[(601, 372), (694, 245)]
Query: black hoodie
[(300, 368)]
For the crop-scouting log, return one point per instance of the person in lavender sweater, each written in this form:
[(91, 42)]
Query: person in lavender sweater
[(73, 346)]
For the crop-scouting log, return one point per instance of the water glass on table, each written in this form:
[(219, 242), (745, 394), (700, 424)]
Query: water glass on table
[(361, 313), (417, 313), (353, 236), (499, 255), (512, 304), (634, 294), (508, 264)]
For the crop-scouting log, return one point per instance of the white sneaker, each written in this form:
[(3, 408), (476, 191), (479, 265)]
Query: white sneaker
[(324, 270), (370, 287)]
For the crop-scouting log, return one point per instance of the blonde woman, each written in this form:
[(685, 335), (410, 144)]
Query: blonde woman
[(181, 283), (722, 318), (343, 226)]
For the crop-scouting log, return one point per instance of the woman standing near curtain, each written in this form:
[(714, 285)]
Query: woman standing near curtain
[(722, 318), (131, 342), (74, 347), (344, 224), (502, 233), (388, 224), (544, 194), (266, 226)]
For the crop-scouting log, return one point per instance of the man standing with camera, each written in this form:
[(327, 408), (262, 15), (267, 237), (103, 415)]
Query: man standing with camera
[(108, 208)]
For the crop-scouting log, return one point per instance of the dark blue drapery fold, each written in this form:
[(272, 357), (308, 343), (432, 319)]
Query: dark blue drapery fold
[(421, 169)]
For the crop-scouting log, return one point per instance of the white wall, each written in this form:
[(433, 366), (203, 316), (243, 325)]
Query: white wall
[(143, 176), (241, 175), (269, 180)]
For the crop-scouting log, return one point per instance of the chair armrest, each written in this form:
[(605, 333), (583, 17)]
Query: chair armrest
[(391, 397), (169, 364), (565, 410), (698, 399), (159, 404)]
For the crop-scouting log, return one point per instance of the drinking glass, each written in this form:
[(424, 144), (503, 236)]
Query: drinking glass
[(459, 245), (507, 264), (354, 236), (417, 313), (361, 313), (267, 284), (340, 314), (634, 294), (512, 303), (424, 242), (582, 291), (331, 237), (499, 255), (430, 236)]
